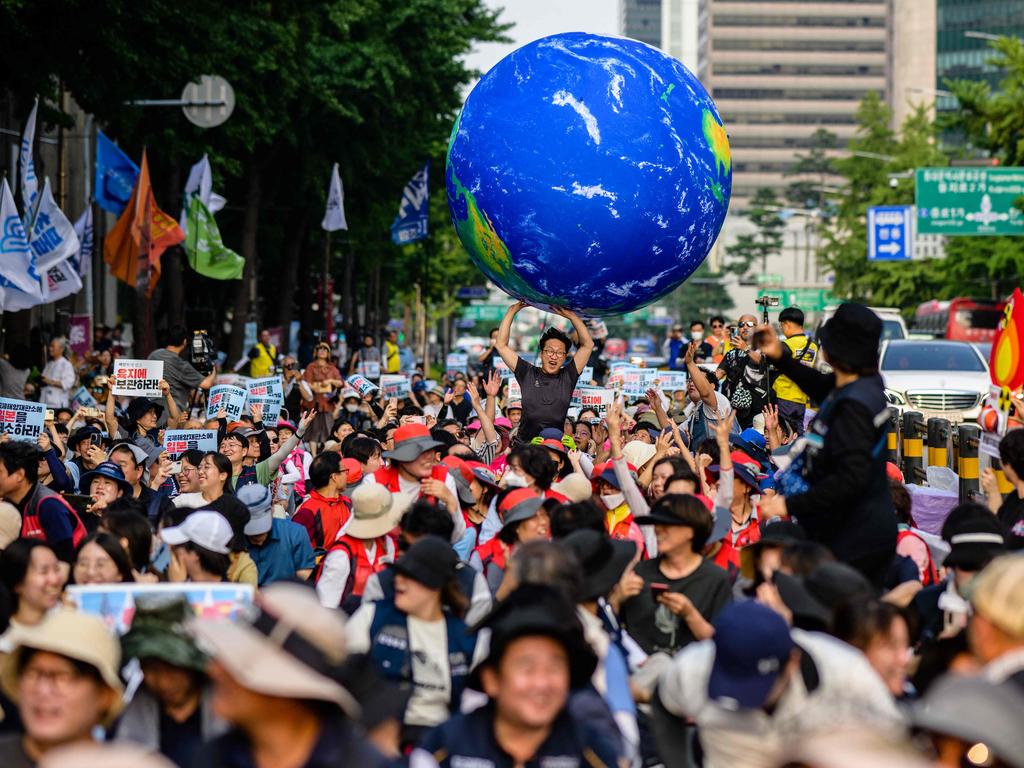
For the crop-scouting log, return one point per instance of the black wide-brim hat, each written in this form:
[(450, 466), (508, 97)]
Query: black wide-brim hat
[(851, 337), (603, 560), (138, 408), (536, 610)]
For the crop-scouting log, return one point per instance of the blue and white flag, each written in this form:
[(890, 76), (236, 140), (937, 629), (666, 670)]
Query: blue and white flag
[(61, 281), (82, 261), (334, 214), (115, 176), (411, 223), (18, 273), (29, 180), (52, 237)]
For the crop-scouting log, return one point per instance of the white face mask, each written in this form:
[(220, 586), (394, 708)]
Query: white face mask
[(351, 407), (696, 335), (514, 480), (613, 500)]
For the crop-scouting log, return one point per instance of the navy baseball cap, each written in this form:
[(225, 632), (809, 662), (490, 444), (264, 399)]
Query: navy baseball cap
[(752, 647)]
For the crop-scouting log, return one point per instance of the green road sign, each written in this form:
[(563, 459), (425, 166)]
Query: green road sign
[(969, 201), (808, 299), (482, 312), (770, 279), (639, 316)]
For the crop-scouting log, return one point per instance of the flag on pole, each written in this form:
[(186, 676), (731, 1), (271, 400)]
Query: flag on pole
[(334, 215), (29, 180), (200, 182), (143, 232), (61, 280), (115, 175), (18, 273), (410, 224), (206, 252), (82, 261), (52, 237)]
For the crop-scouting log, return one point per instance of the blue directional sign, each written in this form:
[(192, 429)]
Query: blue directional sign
[(890, 233)]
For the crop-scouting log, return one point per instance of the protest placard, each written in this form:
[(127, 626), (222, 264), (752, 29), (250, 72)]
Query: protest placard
[(617, 365), (369, 369), (596, 398), (456, 362), (588, 373), (636, 381), (361, 384), (137, 378), (115, 603), (268, 393), (177, 441), (231, 399), (671, 381), (232, 379), (515, 392), (394, 385), (503, 370), (21, 419), (82, 398)]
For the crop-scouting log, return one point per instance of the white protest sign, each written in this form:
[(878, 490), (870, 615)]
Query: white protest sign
[(588, 374), (370, 369), (177, 441), (456, 362), (137, 378), (394, 385), (515, 392), (636, 381), (503, 370), (671, 381), (230, 399), (989, 444), (619, 364), (596, 398), (232, 379), (268, 393), (21, 419), (361, 384), (82, 398)]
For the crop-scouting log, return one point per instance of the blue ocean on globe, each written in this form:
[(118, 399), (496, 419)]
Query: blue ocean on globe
[(588, 172)]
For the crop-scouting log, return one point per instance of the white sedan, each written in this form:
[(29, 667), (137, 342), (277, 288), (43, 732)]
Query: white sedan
[(948, 379)]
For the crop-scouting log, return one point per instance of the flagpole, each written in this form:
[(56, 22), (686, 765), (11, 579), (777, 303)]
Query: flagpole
[(328, 292)]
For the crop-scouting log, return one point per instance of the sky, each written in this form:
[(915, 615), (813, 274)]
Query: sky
[(538, 18)]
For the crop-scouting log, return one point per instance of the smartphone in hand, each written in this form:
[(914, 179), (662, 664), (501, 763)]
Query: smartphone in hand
[(658, 589)]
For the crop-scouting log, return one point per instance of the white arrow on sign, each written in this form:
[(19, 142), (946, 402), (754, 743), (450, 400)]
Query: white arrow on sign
[(890, 248)]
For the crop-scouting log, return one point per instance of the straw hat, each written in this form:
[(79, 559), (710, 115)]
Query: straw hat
[(574, 486), (638, 453), (73, 635), (287, 645), (373, 512)]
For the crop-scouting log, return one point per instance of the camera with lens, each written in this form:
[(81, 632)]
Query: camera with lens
[(201, 352), (767, 301)]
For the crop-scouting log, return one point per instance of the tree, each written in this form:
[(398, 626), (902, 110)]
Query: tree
[(763, 212), (702, 295), (815, 168)]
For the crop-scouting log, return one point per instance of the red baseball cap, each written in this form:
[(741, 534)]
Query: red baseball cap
[(354, 469), (460, 466)]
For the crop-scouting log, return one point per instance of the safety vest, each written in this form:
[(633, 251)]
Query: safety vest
[(393, 361), (262, 364), (389, 478), (619, 524), (360, 567), (390, 651), (32, 528)]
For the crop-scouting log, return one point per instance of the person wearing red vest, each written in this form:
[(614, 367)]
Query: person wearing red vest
[(327, 509), (44, 514), (523, 519), (744, 528), (361, 549), (413, 473)]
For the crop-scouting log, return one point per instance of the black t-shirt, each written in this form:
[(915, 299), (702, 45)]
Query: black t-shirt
[(179, 741), (1011, 517), (746, 384), (654, 626), (12, 753), (546, 398)]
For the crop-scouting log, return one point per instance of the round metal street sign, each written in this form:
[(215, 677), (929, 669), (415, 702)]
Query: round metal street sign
[(209, 102)]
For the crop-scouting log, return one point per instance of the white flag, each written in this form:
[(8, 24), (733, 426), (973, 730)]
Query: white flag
[(200, 182), (17, 262), (334, 216), (61, 280), (82, 261), (53, 238), (29, 181)]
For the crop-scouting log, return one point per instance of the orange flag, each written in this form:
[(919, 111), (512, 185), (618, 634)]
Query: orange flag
[(134, 245), (1006, 365)]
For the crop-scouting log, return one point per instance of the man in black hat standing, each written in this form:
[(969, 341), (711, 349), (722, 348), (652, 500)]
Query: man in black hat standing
[(836, 487), (537, 656)]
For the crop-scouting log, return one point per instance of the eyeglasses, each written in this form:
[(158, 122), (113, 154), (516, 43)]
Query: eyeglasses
[(747, 324), (717, 325), (550, 352), (188, 470), (61, 679)]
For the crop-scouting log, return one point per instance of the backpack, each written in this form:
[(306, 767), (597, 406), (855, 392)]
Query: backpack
[(32, 528), (360, 568)]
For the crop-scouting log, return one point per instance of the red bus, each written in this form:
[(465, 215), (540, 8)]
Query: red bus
[(974, 320)]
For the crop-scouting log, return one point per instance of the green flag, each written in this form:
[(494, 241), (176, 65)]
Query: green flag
[(206, 252)]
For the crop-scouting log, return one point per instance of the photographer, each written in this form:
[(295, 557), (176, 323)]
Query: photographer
[(179, 373), (744, 375)]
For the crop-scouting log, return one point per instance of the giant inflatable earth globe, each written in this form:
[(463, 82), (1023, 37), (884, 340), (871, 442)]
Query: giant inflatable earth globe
[(588, 172)]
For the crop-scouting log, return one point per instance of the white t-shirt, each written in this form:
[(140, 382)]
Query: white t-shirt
[(59, 370)]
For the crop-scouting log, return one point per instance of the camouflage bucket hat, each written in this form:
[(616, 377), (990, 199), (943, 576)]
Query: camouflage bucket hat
[(159, 631)]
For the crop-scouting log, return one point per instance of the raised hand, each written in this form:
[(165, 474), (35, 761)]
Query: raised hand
[(493, 384)]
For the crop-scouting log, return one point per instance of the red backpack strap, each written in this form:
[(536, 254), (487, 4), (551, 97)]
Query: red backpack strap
[(78, 531)]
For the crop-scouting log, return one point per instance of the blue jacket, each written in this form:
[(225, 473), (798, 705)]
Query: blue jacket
[(389, 640)]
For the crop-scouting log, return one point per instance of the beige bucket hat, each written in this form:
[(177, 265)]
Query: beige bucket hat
[(374, 512), (287, 645)]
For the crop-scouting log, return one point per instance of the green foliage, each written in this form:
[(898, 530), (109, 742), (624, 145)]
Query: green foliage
[(766, 240), (702, 295), (816, 163)]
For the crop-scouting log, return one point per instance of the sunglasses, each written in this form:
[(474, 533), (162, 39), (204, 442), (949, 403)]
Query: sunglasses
[(747, 324), (716, 325)]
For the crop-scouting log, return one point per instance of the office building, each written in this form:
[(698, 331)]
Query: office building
[(641, 20), (680, 32)]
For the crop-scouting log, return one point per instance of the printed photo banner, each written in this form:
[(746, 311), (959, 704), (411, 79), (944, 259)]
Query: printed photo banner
[(269, 393), (115, 603), (361, 384), (137, 378), (82, 398), (230, 399), (394, 385), (21, 419), (177, 441), (456, 362), (369, 369)]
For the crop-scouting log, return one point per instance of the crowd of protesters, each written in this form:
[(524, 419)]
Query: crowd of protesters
[(726, 575)]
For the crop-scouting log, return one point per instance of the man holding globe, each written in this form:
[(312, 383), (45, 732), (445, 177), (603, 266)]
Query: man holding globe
[(547, 389)]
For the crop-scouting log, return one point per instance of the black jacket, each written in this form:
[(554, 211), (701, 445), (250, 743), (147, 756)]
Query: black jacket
[(848, 507)]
